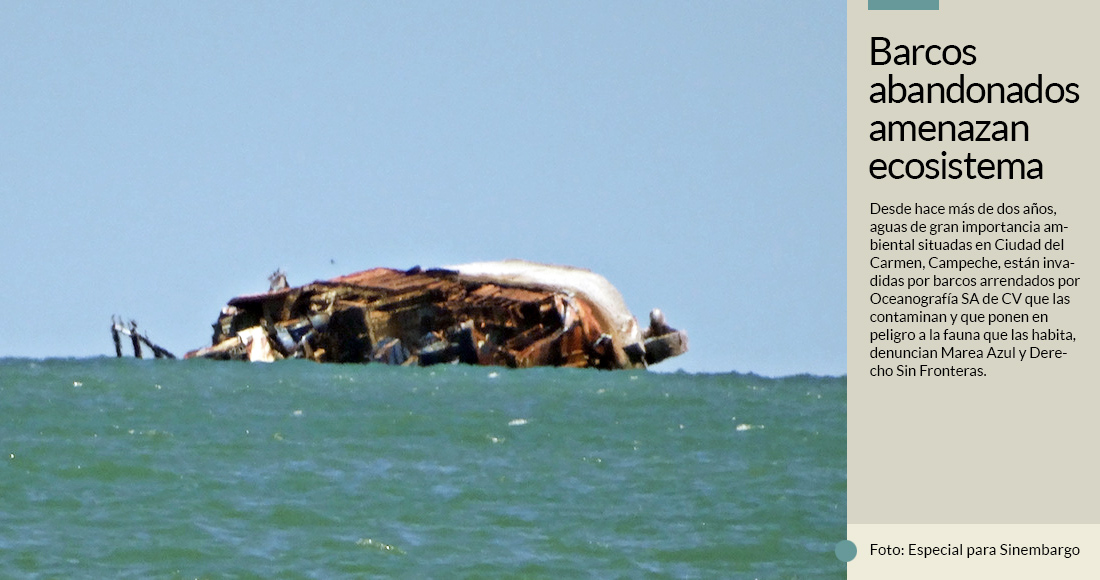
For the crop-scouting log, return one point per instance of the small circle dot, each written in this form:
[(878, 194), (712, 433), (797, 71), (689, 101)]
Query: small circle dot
[(845, 550)]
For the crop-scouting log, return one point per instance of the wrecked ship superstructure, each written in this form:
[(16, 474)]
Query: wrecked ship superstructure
[(511, 313)]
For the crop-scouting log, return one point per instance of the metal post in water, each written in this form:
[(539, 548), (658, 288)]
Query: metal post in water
[(134, 339), (114, 335)]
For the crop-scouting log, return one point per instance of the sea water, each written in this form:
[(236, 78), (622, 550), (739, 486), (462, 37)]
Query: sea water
[(123, 468)]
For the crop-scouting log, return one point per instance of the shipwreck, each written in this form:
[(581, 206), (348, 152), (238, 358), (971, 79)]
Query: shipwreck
[(511, 313)]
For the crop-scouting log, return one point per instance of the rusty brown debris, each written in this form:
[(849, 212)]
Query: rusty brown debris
[(424, 317)]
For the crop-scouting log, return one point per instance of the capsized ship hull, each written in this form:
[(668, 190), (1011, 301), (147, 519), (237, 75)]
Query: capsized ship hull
[(511, 313)]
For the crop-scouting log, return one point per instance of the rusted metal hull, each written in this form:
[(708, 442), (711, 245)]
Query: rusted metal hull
[(500, 314)]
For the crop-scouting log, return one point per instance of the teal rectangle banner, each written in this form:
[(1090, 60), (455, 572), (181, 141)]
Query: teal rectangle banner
[(903, 4)]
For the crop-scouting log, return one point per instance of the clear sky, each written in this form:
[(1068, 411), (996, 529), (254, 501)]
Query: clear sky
[(159, 158)]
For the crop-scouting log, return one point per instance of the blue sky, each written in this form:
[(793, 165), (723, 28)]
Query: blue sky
[(160, 158)]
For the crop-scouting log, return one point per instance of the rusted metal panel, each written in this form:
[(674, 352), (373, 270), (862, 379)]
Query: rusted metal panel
[(495, 294), (389, 279), (258, 298)]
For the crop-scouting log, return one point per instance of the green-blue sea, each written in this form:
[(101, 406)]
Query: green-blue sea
[(124, 468)]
